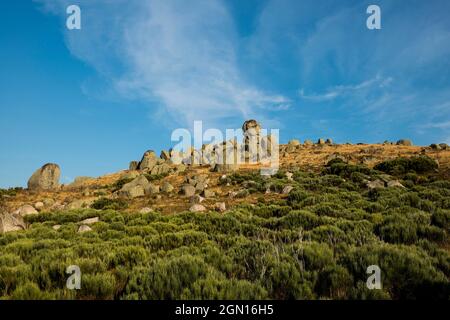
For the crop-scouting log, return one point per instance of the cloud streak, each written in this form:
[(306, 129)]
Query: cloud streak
[(179, 56), (348, 90)]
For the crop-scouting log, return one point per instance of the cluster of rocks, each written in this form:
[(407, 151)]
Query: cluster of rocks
[(197, 184), (196, 189), (152, 164), (221, 157)]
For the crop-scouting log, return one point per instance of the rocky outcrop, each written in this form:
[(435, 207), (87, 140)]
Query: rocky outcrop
[(251, 130), (148, 161), (45, 178)]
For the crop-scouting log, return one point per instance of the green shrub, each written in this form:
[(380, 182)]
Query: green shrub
[(106, 203), (419, 164)]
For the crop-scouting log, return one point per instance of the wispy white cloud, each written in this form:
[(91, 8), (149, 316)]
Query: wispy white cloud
[(348, 90), (179, 56)]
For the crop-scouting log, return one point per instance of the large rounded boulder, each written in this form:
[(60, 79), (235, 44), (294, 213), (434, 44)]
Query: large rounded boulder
[(45, 178)]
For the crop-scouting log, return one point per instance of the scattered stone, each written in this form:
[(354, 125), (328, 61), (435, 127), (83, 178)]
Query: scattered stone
[(134, 165), (329, 141), (135, 188), (39, 205), (45, 178), (197, 208), (208, 194), (132, 191), (196, 199), (151, 189), (220, 206), (289, 176), (11, 222), (376, 184), (25, 210), (84, 228), (308, 143), (200, 186), (404, 142), (320, 141), (232, 194), (167, 187), (145, 210), (287, 189), (56, 227), (90, 220), (394, 183), (187, 190)]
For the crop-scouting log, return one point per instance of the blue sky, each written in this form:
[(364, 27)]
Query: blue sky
[(93, 99)]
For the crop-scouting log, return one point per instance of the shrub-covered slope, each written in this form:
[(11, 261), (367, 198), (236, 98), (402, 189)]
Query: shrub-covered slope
[(314, 243)]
